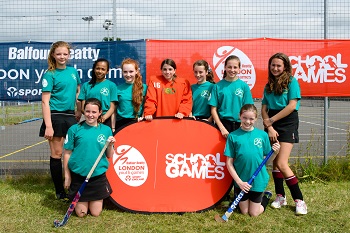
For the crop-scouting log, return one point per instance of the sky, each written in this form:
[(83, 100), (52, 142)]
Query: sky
[(46, 21)]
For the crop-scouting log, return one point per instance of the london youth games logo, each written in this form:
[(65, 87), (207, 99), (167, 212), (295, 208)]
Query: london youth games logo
[(247, 71), (130, 165)]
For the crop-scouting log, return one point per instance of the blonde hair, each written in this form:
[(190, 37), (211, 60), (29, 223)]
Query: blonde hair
[(51, 60)]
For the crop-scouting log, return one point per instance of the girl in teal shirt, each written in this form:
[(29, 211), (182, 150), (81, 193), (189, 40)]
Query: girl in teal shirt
[(60, 88), (103, 89), (245, 149), (130, 95), (83, 144), (201, 91), (279, 110), (228, 96)]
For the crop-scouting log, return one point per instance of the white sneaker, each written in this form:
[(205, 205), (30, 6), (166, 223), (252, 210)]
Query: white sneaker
[(300, 207), (279, 201)]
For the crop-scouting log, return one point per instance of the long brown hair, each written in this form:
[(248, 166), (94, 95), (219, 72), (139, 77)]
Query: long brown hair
[(209, 77), (171, 63), (137, 88), (51, 60), (280, 83), (229, 58)]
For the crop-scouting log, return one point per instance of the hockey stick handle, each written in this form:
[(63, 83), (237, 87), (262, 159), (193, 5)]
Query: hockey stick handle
[(97, 161), (250, 181)]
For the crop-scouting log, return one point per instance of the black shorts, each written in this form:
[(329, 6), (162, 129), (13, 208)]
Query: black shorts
[(120, 124), (286, 127), (230, 125), (255, 197), (97, 188), (61, 121)]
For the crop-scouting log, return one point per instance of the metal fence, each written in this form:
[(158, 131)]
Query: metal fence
[(48, 21), (324, 123)]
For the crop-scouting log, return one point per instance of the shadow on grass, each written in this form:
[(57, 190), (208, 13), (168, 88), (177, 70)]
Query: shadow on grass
[(42, 185)]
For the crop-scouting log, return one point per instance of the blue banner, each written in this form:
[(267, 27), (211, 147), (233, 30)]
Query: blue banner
[(23, 64)]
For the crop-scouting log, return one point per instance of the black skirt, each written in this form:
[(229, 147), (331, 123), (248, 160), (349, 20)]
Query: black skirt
[(61, 121), (230, 126), (286, 127), (97, 188)]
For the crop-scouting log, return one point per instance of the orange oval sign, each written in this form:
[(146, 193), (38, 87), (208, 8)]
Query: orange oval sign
[(168, 166)]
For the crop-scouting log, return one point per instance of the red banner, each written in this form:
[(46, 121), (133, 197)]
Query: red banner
[(321, 66), (168, 166)]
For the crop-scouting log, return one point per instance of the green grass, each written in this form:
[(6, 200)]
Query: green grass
[(28, 205), (14, 114)]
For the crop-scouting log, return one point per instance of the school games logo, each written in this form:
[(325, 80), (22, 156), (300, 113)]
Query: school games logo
[(317, 69), (196, 166), (130, 165), (247, 71)]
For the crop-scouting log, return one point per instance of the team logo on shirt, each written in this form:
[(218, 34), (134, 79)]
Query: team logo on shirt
[(101, 139), (258, 142), (169, 90), (44, 83), (239, 92), (104, 91), (205, 94), (74, 77)]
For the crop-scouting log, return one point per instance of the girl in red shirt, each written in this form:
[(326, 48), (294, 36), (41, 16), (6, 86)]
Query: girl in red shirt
[(168, 95)]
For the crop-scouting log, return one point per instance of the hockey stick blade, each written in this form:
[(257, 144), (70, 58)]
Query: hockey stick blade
[(58, 223), (235, 203)]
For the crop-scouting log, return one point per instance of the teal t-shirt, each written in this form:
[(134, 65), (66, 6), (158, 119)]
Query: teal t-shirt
[(105, 91), (200, 97), (86, 143), (248, 149), (229, 97), (124, 98), (62, 84), (279, 102)]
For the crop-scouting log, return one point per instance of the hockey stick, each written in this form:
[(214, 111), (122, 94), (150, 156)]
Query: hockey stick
[(70, 210), (234, 204)]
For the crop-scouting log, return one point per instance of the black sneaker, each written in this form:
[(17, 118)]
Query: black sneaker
[(62, 196)]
